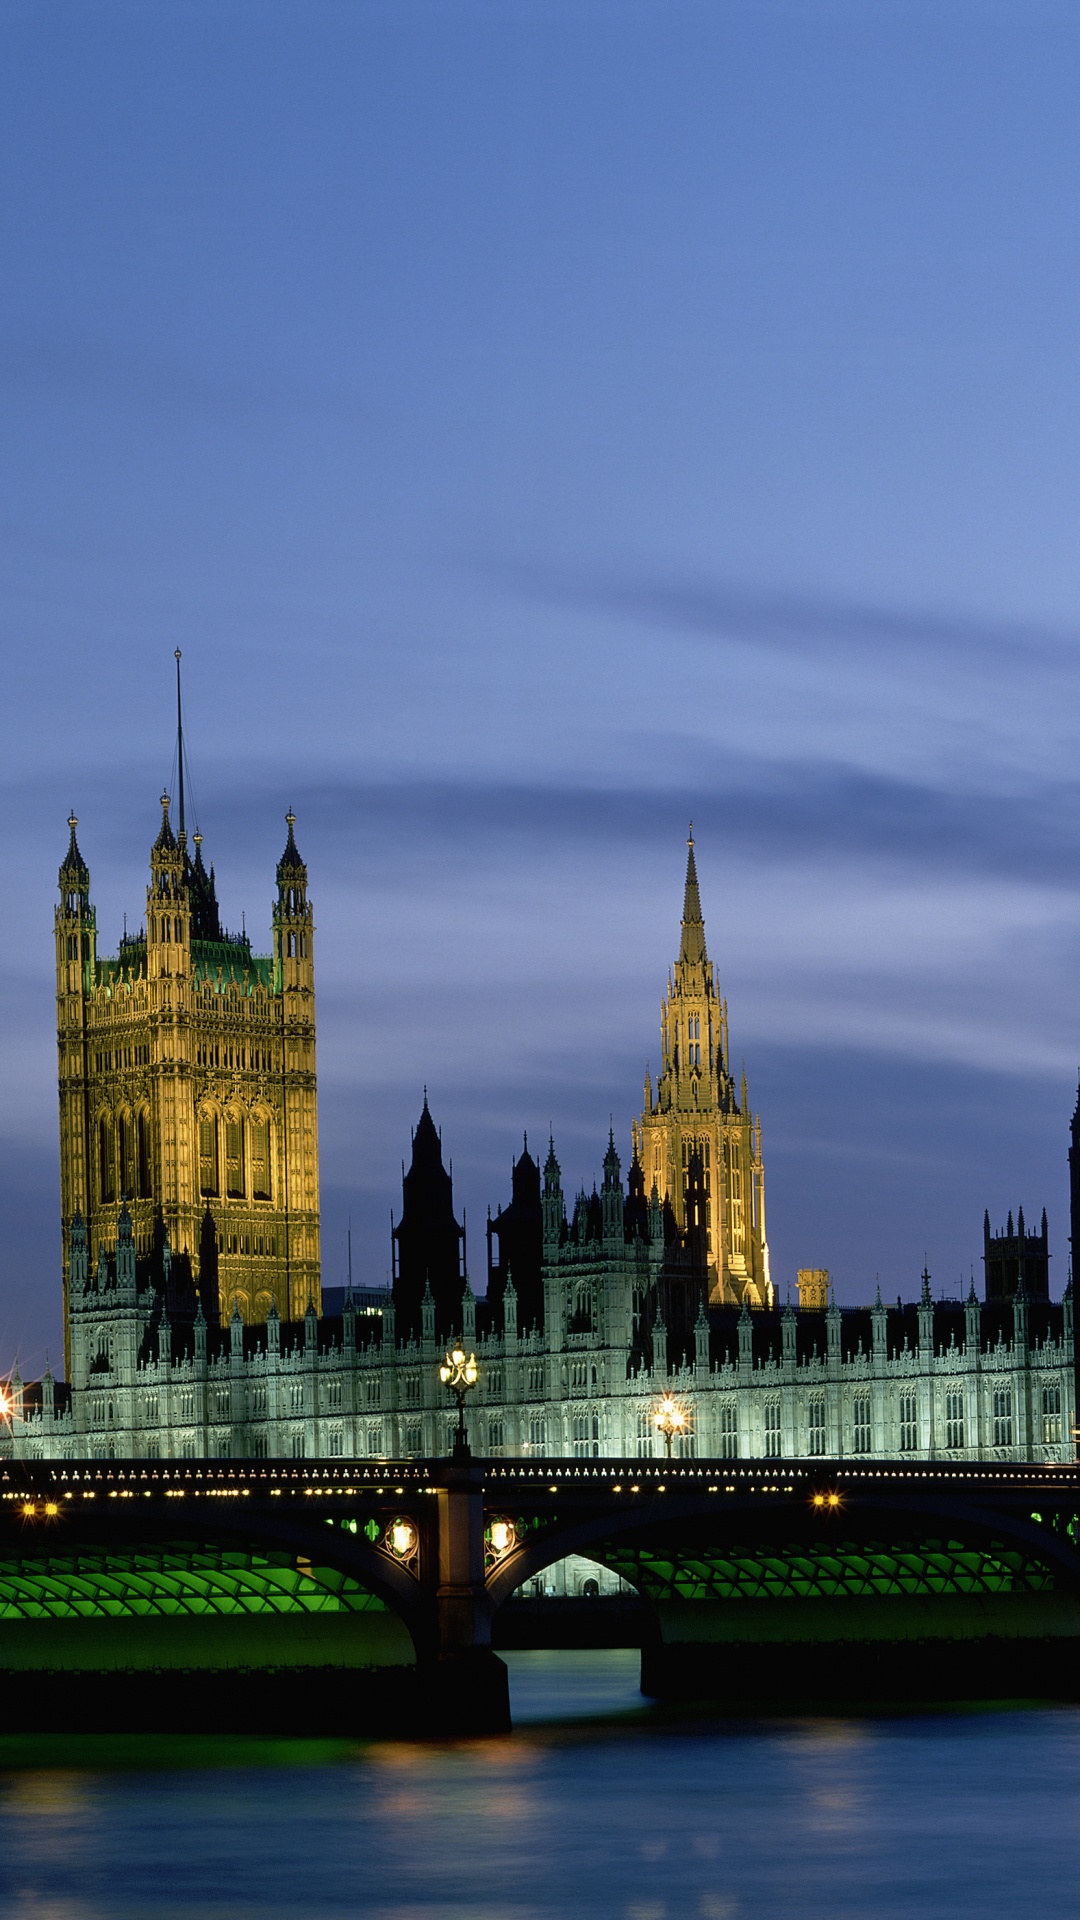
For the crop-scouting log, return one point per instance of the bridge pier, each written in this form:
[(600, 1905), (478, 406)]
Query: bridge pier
[(469, 1683)]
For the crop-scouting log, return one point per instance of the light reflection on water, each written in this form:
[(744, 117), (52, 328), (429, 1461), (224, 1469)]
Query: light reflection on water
[(617, 1816)]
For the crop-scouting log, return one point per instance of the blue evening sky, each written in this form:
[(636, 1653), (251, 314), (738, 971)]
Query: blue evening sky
[(539, 423)]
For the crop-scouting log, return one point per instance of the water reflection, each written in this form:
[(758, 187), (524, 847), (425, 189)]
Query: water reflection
[(618, 1817)]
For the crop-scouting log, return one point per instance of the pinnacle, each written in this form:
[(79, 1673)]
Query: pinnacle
[(290, 862), (74, 870)]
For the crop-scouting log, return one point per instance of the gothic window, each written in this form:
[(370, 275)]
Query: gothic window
[(337, 1443), (260, 1159), (208, 1154), (374, 1440), (258, 1400), (142, 1156), (234, 1158), (298, 1444), (412, 1389), (414, 1439), (495, 1436), (1003, 1416), (123, 1134), (494, 1384), (909, 1423), (729, 1430), (581, 1320), (862, 1439), (1051, 1416), (333, 1394), (644, 1434), (223, 1446), (153, 1448), (578, 1376), (817, 1426), (581, 1436), (296, 1396), (772, 1429), (291, 948), (954, 1419), (374, 1394), (106, 1160), (259, 1446), (537, 1433), (187, 1405), (536, 1380)]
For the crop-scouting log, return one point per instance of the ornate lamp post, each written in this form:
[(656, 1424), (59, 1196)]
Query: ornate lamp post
[(459, 1372), (670, 1418)]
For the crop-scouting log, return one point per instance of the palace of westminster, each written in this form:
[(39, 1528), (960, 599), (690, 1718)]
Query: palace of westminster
[(196, 1326)]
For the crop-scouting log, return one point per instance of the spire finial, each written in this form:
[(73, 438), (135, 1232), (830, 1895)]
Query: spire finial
[(73, 819), (179, 741), (692, 946)]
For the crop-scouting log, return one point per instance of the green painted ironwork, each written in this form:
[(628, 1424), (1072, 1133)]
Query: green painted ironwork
[(182, 1578), (801, 1572)]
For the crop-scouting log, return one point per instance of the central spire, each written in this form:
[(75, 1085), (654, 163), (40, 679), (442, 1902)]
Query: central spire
[(692, 946)]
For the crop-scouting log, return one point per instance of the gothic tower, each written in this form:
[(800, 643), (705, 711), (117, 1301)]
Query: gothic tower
[(428, 1244), (187, 1082), (695, 1111)]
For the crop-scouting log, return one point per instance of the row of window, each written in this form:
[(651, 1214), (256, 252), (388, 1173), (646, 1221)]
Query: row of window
[(124, 1156), (237, 1153), (585, 1423), (1001, 1414), (234, 1059), (116, 1059)]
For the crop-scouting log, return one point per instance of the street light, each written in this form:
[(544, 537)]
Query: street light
[(670, 1418), (459, 1372)]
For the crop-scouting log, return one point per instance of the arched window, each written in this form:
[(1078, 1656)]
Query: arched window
[(124, 1140), (142, 1155), (106, 1159), (260, 1158), (234, 1157), (208, 1153)]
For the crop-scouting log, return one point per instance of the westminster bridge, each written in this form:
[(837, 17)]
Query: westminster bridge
[(364, 1596)]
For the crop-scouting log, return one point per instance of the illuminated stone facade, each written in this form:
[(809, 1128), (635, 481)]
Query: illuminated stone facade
[(187, 1086), (625, 1293), (694, 1109)]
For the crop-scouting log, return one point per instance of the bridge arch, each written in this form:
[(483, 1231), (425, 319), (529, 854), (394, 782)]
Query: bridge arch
[(161, 1589), (938, 1563)]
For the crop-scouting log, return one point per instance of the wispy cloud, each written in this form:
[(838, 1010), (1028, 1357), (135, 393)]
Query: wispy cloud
[(727, 610)]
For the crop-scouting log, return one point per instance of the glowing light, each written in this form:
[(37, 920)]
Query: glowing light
[(29, 1511), (460, 1373), (402, 1537), (5, 1403), (501, 1535), (671, 1418), (51, 1509)]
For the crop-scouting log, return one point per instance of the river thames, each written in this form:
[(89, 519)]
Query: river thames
[(594, 1806)]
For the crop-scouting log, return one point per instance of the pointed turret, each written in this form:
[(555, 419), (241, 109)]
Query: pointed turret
[(74, 872), (427, 1241), (205, 916), (518, 1229), (293, 924)]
